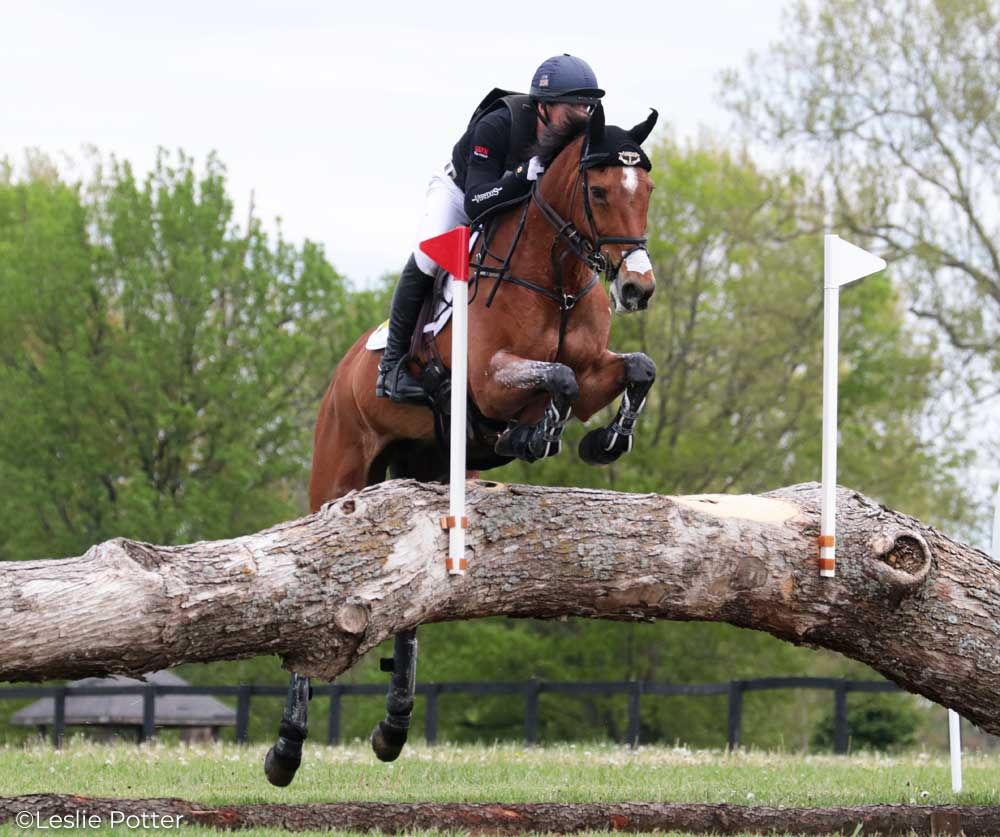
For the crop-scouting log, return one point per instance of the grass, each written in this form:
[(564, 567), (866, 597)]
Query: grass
[(229, 774)]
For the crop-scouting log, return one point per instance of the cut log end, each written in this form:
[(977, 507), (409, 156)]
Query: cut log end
[(742, 506)]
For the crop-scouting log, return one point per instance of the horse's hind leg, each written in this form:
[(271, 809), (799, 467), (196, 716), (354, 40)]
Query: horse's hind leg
[(389, 735), (635, 374), (422, 461), (339, 466), (283, 759)]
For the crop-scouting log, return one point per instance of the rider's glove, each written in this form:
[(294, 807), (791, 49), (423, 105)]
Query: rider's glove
[(530, 170)]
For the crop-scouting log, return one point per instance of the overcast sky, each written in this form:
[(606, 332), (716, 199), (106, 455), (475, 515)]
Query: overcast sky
[(336, 114)]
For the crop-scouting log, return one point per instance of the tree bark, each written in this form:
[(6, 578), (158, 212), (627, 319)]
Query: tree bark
[(485, 818), (321, 591)]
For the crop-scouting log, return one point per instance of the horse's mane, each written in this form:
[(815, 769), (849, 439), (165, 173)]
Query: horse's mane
[(555, 138)]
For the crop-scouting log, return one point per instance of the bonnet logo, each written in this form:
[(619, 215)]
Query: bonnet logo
[(629, 158)]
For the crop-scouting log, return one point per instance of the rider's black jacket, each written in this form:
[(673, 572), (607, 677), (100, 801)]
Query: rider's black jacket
[(479, 158)]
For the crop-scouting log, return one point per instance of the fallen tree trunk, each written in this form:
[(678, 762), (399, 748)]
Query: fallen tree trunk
[(322, 590), (56, 811)]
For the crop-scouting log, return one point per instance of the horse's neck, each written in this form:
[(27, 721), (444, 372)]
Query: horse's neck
[(534, 253)]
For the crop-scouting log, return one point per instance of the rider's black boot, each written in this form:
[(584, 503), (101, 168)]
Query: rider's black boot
[(394, 379)]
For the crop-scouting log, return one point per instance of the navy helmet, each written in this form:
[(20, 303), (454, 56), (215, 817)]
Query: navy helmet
[(565, 78)]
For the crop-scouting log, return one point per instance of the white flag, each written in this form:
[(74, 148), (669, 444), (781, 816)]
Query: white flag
[(845, 262)]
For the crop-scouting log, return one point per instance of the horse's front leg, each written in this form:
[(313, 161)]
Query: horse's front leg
[(512, 378), (632, 373)]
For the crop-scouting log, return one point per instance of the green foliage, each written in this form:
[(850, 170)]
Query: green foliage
[(874, 722), (895, 104), (161, 365)]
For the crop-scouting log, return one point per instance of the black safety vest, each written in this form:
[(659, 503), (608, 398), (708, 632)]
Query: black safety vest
[(523, 119)]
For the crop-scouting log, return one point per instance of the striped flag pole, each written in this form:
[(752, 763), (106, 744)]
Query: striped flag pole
[(451, 251), (843, 263)]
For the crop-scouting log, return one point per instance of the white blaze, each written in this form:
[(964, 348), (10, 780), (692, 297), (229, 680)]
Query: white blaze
[(630, 179)]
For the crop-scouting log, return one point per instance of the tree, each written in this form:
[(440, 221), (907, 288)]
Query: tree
[(897, 103), (161, 365)]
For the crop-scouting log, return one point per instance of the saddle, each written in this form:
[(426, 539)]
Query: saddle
[(482, 431)]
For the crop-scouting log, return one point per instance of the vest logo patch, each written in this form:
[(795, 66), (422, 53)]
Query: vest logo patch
[(492, 193), (481, 151), (629, 158)]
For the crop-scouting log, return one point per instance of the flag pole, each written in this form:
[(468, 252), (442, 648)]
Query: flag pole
[(451, 251), (831, 354), (843, 263)]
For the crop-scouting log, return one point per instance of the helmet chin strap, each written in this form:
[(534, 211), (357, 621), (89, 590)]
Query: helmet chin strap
[(543, 113)]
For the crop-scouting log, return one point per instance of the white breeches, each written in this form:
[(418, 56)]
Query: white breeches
[(444, 209)]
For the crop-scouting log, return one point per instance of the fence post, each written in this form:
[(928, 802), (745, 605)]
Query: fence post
[(735, 713), (333, 716), (840, 718), (243, 714), (531, 690), (59, 721), (634, 691), (431, 716), (148, 713)]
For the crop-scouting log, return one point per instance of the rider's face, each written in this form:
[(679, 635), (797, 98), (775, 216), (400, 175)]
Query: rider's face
[(560, 112)]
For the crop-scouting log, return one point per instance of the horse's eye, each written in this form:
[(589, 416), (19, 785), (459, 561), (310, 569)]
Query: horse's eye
[(598, 193)]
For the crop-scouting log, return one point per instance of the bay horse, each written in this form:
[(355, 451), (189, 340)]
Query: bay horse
[(538, 354)]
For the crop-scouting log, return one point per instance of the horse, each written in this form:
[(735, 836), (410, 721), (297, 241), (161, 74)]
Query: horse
[(538, 355)]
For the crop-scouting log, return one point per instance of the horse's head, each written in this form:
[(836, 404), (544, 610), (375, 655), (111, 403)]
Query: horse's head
[(616, 189), (609, 169)]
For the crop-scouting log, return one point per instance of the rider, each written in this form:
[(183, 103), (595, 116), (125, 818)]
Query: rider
[(489, 166)]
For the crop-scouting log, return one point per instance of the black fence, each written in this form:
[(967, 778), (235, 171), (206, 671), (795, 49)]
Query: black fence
[(530, 691)]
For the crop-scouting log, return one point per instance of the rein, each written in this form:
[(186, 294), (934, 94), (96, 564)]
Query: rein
[(587, 250)]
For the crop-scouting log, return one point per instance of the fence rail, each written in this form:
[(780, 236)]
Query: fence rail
[(530, 690)]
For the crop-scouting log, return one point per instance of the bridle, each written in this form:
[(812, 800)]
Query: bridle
[(588, 250)]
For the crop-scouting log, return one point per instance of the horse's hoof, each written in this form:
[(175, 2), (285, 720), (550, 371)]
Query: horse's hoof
[(387, 742), (593, 446), (280, 768), (516, 443)]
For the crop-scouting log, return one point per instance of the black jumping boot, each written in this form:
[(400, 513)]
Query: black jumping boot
[(394, 380)]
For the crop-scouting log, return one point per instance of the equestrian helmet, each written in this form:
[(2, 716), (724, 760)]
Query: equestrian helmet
[(565, 78)]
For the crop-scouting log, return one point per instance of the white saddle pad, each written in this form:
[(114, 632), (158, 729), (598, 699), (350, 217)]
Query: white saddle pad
[(442, 313)]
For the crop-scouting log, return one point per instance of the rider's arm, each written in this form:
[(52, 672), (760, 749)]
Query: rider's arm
[(486, 185)]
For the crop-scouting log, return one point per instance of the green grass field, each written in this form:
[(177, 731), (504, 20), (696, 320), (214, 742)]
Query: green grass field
[(229, 774)]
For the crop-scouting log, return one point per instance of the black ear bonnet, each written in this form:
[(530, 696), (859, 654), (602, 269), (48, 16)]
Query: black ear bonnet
[(609, 145)]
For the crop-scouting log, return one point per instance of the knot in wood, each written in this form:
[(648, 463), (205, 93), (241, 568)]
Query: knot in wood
[(902, 562)]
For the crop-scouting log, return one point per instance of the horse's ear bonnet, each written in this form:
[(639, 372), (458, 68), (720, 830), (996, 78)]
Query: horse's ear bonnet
[(609, 145)]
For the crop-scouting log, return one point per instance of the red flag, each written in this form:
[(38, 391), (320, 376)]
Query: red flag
[(451, 251)]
